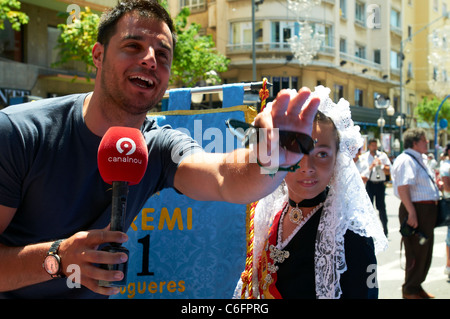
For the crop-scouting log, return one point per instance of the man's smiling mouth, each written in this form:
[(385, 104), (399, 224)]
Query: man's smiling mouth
[(141, 81)]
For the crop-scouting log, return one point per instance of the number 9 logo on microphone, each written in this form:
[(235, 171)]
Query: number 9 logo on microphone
[(124, 144)]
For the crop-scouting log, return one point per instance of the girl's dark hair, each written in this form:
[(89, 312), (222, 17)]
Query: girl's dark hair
[(322, 118), (146, 8)]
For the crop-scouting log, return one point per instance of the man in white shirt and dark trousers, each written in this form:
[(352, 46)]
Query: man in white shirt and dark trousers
[(377, 167), (414, 184)]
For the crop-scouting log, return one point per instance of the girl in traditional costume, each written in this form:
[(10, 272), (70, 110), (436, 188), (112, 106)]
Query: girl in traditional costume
[(316, 236)]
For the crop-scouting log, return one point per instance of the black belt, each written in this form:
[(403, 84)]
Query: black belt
[(427, 202), (376, 182)]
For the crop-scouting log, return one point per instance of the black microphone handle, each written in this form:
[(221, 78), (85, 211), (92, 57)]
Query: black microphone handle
[(119, 205), (118, 211)]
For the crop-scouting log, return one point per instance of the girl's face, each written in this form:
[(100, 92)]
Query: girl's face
[(316, 169)]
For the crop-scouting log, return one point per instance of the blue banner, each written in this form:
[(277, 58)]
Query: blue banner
[(181, 248)]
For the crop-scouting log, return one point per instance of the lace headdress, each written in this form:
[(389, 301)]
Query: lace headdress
[(347, 207)]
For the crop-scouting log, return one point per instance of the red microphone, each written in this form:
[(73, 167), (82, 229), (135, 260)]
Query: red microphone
[(122, 155), (122, 161)]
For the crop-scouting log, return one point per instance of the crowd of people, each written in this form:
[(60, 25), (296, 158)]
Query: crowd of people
[(418, 181)]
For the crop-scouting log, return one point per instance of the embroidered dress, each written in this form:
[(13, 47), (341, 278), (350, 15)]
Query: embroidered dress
[(347, 211)]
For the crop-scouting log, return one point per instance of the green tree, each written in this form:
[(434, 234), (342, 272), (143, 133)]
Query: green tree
[(427, 108), (9, 10), (77, 40), (194, 55)]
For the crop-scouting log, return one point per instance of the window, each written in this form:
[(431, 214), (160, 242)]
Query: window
[(338, 92), (359, 97), (410, 73), (377, 56), (395, 19), (343, 8), (360, 13), (193, 5), (241, 32), (395, 60), (327, 31), (343, 45), (283, 82), (282, 31), (360, 51), (52, 40), (11, 43)]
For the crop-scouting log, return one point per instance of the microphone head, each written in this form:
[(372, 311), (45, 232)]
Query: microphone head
[(122, 155)]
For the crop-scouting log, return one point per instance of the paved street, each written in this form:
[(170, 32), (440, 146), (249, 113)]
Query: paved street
[(390, 272)]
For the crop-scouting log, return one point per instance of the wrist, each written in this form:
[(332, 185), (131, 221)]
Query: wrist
[(271, 171), (52, 263)]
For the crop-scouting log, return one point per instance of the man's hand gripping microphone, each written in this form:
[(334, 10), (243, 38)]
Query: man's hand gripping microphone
[(122, 161)]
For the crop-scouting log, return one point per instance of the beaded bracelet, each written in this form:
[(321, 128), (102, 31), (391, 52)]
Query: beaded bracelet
[(272, 172)]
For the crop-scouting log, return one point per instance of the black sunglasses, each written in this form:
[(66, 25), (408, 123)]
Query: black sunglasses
[(292, 141)]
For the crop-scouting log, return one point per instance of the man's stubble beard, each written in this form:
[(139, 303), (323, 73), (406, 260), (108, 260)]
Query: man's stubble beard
[(133, 105)]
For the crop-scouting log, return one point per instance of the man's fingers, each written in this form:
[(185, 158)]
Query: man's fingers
[(97, 237), (104, 257)]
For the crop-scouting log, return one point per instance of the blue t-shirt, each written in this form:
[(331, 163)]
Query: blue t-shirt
[(49, 172)]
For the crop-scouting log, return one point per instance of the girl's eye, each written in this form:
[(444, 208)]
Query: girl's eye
[(322, 154)]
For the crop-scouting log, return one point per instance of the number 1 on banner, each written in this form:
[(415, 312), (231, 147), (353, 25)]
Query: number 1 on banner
[(145, 241)]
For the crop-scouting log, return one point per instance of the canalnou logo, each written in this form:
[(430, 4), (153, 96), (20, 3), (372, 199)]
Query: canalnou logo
[(126, 143), (126, 147), (122, 155)]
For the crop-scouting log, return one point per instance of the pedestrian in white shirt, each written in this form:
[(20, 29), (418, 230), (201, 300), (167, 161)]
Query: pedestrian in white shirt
[(377, 167), (445, 177), (414, 184)]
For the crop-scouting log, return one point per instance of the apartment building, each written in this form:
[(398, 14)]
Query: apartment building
[(26, 56), (359, 60)]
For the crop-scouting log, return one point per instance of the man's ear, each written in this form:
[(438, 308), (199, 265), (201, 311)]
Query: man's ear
[(98, 52)]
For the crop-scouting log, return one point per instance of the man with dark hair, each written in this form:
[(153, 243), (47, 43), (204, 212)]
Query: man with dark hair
[(53, 201), (414, 184), (377, 168)]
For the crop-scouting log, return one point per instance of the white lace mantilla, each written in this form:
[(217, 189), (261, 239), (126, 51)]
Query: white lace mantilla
[(347, 207)]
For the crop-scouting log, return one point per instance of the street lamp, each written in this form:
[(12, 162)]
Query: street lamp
[(381, 103), (390, 111), (381, 122), (399, 121)]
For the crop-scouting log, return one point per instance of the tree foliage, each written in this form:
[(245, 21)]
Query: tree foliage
[(77, 40), (427, 108), (194, 57), (9, 10)]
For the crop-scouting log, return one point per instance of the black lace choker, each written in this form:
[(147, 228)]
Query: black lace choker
[(310, 202)]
